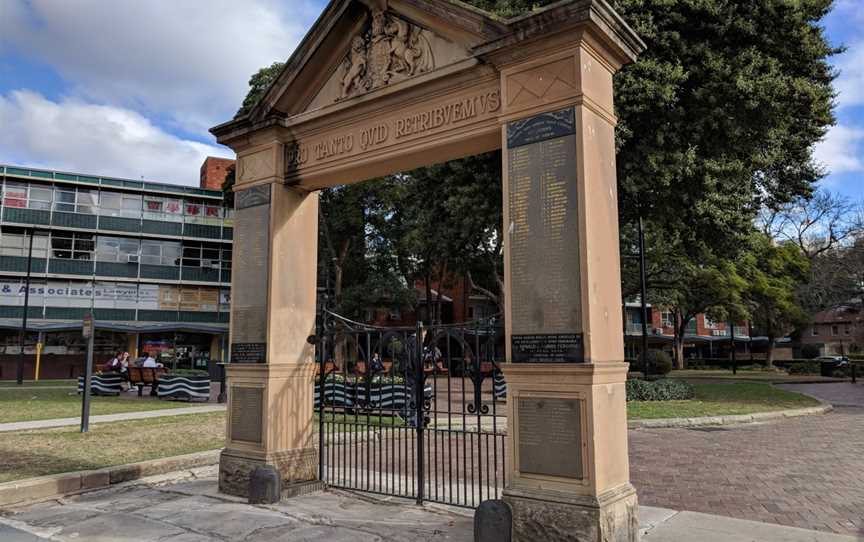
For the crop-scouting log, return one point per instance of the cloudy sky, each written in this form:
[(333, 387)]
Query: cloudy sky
[(129, 88)]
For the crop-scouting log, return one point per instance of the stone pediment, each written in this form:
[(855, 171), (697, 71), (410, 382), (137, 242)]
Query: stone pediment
[(357, 47)]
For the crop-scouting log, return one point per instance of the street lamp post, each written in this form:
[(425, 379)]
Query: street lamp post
[(732, 342), (644, 295), (23, 333)]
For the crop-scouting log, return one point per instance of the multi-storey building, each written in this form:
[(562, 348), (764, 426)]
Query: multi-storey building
[(837, 331), (703, 337), (151, 260)]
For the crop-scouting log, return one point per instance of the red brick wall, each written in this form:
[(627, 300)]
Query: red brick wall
[(213, 172)]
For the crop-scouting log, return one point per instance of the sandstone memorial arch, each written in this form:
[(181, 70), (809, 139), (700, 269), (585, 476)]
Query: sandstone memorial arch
[(381, 86)]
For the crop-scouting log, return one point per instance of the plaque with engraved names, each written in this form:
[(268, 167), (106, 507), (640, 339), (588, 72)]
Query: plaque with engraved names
[(541, 127), (247, 408), (249, 275), (248, 352), (547, 348), (543, 230), (550, 437)]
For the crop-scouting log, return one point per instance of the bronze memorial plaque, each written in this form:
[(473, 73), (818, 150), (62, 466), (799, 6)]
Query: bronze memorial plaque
[(249, 287), (246, 413), (544, 239), (550, 437)]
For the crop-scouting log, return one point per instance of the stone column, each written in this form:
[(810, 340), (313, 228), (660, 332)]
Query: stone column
[(568, 471), (271, 369)]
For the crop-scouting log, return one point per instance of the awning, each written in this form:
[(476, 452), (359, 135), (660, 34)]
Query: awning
[(128, 327)]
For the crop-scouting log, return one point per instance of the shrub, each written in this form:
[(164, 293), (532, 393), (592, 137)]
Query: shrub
[(189, 372), (659, 363), (810, 351), (805, 368), (659, 390)]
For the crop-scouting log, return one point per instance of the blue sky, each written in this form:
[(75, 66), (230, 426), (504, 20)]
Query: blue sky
[(129, 87)]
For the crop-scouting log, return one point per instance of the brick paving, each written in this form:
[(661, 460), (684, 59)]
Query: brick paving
[(803, 472)]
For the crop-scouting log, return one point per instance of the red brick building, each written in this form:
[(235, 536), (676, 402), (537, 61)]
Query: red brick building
[(836, 332), (213, 172), (703, 338)]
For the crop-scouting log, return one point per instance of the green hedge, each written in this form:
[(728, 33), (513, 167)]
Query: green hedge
[(659, 390), (805, 368), (188, 372)]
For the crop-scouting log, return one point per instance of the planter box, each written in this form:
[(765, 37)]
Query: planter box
[(105, 384), (380, 395), (183, 387)]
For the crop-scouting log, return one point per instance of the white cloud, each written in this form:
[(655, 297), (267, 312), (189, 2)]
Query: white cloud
[(842, 150), (187, 62), (850, 83), (104, 140)]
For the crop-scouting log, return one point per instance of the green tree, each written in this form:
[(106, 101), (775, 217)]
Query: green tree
[(773, 274), (689, 287), (258, 85)]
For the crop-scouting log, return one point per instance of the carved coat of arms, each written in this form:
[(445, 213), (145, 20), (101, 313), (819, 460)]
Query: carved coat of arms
[(391, 50)]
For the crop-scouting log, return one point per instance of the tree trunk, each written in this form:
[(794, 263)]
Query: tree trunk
[(428, 283), (680, 329), (679, 353), (769, 356)]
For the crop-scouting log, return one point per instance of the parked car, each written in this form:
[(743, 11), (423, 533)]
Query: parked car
[(840, 361)]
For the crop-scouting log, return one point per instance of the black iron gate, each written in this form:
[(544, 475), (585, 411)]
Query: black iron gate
[(416, 412)]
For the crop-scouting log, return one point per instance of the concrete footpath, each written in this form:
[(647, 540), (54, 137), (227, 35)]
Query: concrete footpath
[(63, 422), (185, 507)]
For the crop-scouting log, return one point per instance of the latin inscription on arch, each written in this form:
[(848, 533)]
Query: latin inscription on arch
[(393, 129)]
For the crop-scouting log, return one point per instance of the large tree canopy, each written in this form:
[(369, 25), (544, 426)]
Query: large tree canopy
[(717, 119)]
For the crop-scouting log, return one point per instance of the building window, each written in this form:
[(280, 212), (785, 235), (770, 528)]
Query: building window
[(667, 319), (160, 253), (835, 330), (815, 330), (117, 249), (205, 255), (131, 206), (87, 201), (74, 246), (13, 243), (120, 204), (24, 195), (15, 195)]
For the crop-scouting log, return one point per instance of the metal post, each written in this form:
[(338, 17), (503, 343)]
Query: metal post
[(644, 300), (90, 334), (732, 342), (222, 395), (21, 337), (418, 411)]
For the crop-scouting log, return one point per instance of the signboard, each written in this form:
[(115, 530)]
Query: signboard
[(88, 326)]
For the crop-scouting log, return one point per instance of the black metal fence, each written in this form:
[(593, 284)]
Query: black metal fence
[(416, 412)]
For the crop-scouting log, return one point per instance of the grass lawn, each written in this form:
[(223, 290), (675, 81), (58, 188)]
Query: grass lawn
[(722, 400), (25, 454), (39, 383), (744, 375), (39, 452), (33, 404)]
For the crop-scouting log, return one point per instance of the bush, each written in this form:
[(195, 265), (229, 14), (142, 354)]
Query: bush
[(810, 351), (805, 368), (188, 372), (659, 363), (659, 390)]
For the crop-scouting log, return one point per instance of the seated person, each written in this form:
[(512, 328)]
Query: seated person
[(149, 361), (115, 364)]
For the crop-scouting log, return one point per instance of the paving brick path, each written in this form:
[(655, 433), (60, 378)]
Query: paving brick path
[(804, 472)]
